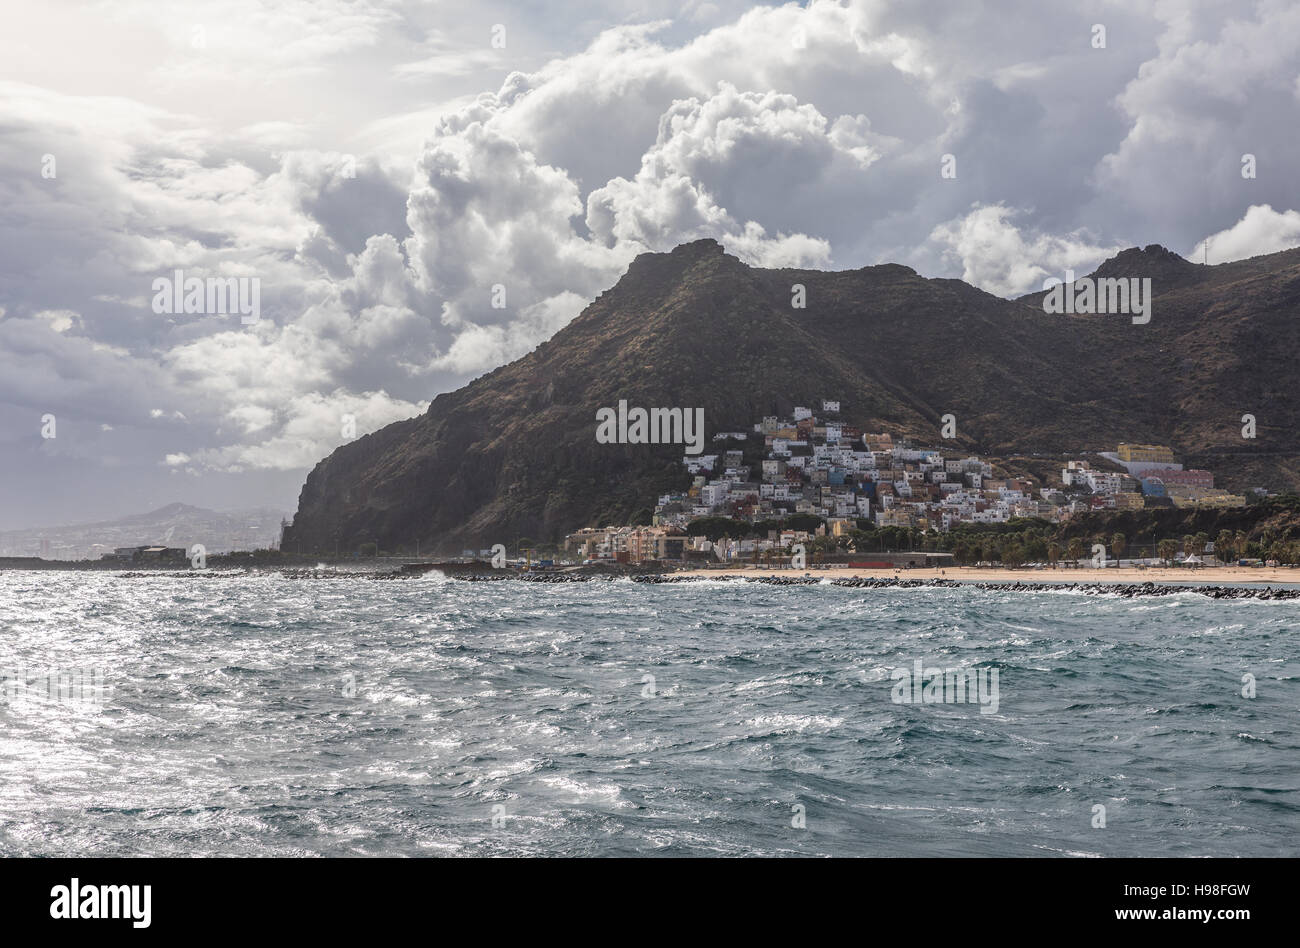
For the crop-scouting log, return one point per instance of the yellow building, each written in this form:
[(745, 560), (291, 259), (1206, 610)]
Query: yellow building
[(898, 517), (641, 543), (1184, 496), (1148, 453), (1221, 499), (585, 541), (1129, 500)]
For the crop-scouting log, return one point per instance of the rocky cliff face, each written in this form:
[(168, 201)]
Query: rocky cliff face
[(514, 454)]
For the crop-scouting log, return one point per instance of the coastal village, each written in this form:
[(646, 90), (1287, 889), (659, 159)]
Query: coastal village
[(798, 479), (813, 463)]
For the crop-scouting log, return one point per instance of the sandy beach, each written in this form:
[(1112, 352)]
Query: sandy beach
[(1217, 575)]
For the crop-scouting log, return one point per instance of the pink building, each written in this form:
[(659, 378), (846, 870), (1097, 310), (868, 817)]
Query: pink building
[(1188, 478)]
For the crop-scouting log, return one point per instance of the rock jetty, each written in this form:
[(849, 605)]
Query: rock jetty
[(1126, 590)]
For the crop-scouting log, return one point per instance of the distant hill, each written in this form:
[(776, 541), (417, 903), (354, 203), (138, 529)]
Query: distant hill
[(177, 525), (513, 454)]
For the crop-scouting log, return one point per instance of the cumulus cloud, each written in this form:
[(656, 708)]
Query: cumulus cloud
[(999, 257), (312, 425), (411, 234), (479, 348), (1261, 230), (733, 149), (488, 221), (1219, 87)]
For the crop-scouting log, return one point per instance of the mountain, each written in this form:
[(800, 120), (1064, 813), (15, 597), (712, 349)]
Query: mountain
[(176, 525), (513, 454)]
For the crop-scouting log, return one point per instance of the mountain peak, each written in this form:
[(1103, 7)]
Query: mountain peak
[(704, 247), (1167, 270), (175, 509), (666, 268), (692, 252), (689, 252)]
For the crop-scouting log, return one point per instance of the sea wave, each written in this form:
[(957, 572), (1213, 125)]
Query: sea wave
[(261, 715)]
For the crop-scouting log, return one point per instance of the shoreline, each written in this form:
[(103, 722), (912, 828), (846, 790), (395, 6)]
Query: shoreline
[(1267, 584), (1235, 576), (864, 579)]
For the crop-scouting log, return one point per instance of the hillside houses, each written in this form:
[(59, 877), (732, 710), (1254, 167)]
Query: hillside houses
[(1153, 479), (814, 463)]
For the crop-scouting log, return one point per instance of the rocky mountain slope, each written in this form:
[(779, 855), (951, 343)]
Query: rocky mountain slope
[(513, 454)]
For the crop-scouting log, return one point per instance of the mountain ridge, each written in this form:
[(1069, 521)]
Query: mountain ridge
[(175, 524), (512, 454)]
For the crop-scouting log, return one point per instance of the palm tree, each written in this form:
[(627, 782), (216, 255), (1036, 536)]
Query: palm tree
[(1223, 544), (1074, 550), (1053, 552), (1117, 544), (1167, 549)]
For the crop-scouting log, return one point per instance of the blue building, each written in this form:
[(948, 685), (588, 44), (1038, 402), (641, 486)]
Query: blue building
[(1153, 487)]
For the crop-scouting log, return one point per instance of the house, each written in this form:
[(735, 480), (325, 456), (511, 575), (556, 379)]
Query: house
[(1190, 478), (831, 470), (159, 554), (714, 494), (153, 554)]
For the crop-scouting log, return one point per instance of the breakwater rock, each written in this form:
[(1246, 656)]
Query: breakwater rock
[(1126, 590)]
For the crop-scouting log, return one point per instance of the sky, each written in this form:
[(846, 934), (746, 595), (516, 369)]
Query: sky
[(423, 191)]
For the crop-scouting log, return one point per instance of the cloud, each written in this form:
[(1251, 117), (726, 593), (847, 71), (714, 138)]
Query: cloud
[(1220, 86), (281, 39), (999, 257), (479, 348), (1261, 230), (487, 219), (732, 150), (311, 426), (529, 176), (441, 55)]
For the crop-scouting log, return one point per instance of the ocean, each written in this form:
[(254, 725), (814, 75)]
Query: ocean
[(257, 714)]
